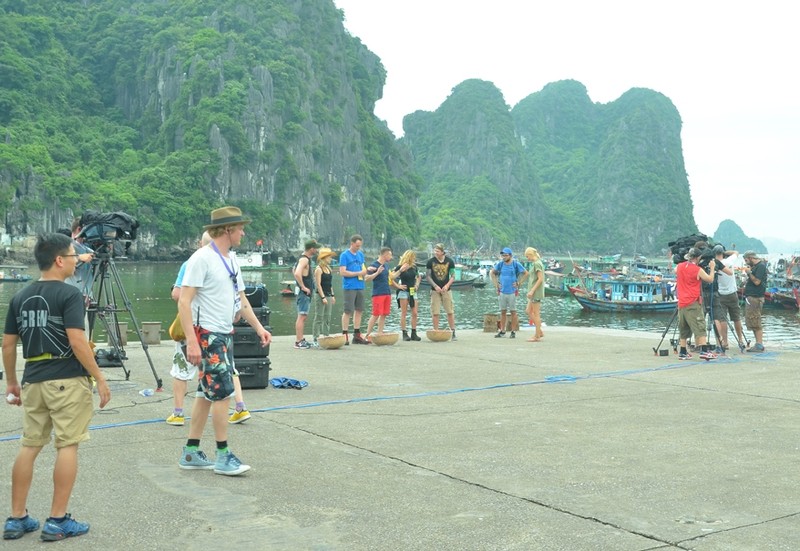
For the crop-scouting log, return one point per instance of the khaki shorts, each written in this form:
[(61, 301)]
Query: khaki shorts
[(691, 321), (752, 312), (62, 406), (441, 299), (727, 305)]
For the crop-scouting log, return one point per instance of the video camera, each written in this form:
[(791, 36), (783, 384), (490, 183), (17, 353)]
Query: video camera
[(100, 230), (681, 246)]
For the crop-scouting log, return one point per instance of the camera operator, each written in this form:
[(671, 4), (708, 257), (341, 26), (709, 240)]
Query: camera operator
[(82, 278), (726, 298), (754, 289), (691, 317)]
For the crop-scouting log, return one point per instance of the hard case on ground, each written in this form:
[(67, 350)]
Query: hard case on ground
[(261, 312), (246, 343), (257, 295), (253, 372)]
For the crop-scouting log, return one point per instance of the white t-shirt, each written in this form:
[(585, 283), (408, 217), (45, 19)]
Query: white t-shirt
[(216, 300), (726, 284)]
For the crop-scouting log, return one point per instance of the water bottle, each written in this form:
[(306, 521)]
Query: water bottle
[(147, 392)]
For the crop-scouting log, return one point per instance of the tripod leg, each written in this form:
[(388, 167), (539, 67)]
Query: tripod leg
[(135, 322), (666, 330)]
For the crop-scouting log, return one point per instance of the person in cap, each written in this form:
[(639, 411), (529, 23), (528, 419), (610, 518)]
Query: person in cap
[(691, 316), (507, 276), (304, 276), (212, 295), (726, 299), (440, 272), (324, 300), (754, 289), (353, 270)]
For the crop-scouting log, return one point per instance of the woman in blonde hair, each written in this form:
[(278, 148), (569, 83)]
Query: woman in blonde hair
[(535, 292), (406, 278), (323, 294)]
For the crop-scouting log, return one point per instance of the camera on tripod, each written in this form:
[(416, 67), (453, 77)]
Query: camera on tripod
[(100, 230), (681, 246)]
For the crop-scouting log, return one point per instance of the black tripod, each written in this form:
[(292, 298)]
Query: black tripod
[(673, 341), (107, 285)]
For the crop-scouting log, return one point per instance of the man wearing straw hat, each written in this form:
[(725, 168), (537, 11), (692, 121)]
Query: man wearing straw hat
[(212, 294)]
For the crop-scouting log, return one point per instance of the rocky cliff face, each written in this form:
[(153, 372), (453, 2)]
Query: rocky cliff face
[(240, 102), (618, 174)]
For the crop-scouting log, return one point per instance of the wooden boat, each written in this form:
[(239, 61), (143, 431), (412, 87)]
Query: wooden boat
[(620, 295), (14, 274), (558, 284)]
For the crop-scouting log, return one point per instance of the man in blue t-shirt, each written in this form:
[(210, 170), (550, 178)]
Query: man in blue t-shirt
[(508, 275), (352, 270), (378, 273)]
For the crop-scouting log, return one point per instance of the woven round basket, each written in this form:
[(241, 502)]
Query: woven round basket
[(332, 342), (440, 335), (385, 339)]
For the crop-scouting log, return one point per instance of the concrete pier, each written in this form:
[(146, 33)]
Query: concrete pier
[(586, 440)]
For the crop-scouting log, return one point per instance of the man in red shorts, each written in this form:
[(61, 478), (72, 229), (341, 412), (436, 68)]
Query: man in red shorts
[(378, 273)]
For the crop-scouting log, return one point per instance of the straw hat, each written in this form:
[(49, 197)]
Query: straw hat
[(226, 216), (324, 253)]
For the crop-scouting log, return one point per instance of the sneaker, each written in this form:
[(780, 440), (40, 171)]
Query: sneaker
[(194, 460), (500, 335), (314, 344), (67, 528), (17, 527), (301, 345), (685, 356), (358, 339), (229, 465), (708, 355), (453, 338), (176, 420), (757, 348), (239, 417), (742, 347), (512, 335)]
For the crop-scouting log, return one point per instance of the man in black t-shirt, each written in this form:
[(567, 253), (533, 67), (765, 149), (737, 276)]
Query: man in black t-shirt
[(47, 317), (754, 290), (440, 271)]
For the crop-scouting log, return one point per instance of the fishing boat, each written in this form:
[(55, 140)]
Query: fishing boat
[(14, 274), (253, 260), (624, 295), (557, 284)]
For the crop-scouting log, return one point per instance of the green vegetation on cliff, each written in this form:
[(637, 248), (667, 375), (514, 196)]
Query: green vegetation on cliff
[(167, 109)]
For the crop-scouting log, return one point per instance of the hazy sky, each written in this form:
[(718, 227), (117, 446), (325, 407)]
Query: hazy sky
[(730, 68)]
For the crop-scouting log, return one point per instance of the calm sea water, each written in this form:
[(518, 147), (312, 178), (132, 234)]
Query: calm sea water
[(147, 288)]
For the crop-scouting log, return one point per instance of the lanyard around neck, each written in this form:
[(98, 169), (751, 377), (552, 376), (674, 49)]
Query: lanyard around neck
[(231, 273)]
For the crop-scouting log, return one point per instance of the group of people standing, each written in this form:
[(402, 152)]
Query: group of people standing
[(508, 276), (710, 289), (404, 278)]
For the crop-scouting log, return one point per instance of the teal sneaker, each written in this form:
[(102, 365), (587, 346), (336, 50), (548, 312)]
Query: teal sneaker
[(59, 530), (194, 460), (15, 528), (229, 465)]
